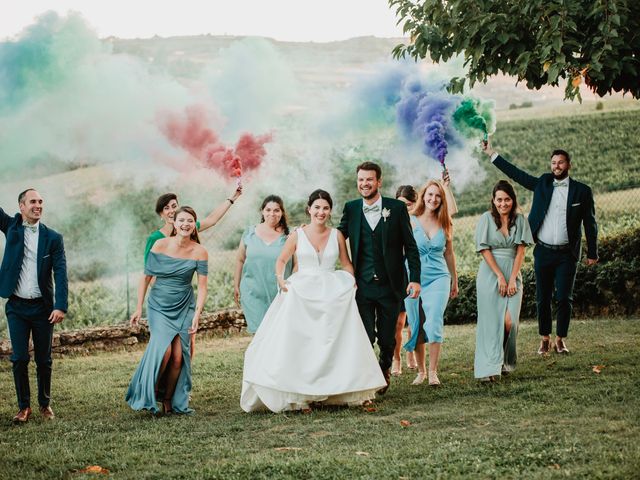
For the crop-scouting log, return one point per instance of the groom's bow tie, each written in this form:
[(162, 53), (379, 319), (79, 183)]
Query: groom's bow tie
[(560, 184), (27, 225), (372, 208)]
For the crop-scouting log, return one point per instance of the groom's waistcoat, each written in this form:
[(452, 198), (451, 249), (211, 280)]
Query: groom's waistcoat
[(370, 256)]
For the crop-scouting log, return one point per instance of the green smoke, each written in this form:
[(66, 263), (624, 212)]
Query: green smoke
[(473, 117)]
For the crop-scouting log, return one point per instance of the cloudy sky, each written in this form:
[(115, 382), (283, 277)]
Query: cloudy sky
[(289, 20)]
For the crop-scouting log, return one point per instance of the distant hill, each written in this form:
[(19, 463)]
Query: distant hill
[(317, 66)]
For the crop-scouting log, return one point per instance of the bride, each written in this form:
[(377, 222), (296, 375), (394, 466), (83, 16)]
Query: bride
[(311, 345)]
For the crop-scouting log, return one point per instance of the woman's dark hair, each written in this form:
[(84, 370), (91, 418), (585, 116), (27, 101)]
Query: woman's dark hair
[(283, 220), (186, 209), (319, 195), (163, 201), (408, 192), (506, 187)]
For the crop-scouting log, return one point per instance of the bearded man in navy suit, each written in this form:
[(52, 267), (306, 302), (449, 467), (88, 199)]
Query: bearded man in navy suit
[(33, 257), (561, 207)]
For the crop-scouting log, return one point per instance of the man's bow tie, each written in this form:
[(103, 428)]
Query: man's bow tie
[(559, 184), (372, 208), (27, 225)]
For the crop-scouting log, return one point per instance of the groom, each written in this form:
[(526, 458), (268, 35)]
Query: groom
[(380, 236)]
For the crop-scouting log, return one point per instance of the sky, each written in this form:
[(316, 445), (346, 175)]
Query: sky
[(286, 20)]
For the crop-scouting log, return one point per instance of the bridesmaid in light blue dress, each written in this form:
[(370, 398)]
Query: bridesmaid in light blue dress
[(432, 229), (255, 284), (501, 237), (173, 315)]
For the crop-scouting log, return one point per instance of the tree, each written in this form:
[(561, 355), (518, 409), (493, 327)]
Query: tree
[(537, 41)]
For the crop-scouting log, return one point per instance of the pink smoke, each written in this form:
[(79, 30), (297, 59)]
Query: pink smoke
[(191, 132)]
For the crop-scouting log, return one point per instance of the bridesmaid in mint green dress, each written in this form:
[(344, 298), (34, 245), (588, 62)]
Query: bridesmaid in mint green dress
[(255, 284), (501, 237), (173, 315)]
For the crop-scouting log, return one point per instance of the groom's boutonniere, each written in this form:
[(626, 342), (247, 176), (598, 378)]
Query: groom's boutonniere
[(386, 213)]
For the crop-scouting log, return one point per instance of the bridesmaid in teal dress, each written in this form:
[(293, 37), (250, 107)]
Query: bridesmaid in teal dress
[(255, 284), (433, 231), (166, 206), (408, 195), (173, 315), (501, 237)]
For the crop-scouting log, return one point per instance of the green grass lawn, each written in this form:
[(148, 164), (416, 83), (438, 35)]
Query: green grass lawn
[(553, 418)]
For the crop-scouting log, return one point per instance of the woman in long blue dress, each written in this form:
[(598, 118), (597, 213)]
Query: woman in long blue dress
[(433, 232), (166, 207), (408, 195), (254, 279), (173, 315), (501, 237)]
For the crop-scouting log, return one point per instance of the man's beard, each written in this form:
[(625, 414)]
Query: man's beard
[(562, 176), (373, 193)]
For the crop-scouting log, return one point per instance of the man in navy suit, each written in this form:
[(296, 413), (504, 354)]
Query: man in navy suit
[(561, 207), (32, 253)]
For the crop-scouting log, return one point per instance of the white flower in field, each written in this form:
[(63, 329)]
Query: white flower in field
[(386, 213)]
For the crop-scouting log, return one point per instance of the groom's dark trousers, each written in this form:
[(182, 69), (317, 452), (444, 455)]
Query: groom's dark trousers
[(378, 258)]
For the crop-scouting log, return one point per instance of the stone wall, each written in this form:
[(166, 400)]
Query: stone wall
[(114, 337)]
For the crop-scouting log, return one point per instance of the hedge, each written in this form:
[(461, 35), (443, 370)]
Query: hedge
[(609, 288)]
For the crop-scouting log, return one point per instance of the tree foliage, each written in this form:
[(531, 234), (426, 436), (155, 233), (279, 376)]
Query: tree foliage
[(537, 41)]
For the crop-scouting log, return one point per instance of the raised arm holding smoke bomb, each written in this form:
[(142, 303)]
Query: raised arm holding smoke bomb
[(166, 207), (561, 207)]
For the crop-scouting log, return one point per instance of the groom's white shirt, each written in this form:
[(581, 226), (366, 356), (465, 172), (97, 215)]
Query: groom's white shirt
[(373, 217)]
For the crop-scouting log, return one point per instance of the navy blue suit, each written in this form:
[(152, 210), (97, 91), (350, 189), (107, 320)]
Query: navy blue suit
[(556, 266), (28, 317)]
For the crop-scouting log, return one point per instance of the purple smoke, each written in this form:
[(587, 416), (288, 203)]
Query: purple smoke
[(422, 115), (435, 143)]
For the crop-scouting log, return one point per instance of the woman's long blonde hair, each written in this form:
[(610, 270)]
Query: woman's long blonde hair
[(442, 213)]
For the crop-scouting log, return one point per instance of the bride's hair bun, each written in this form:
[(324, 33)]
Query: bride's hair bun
[(320, 194)]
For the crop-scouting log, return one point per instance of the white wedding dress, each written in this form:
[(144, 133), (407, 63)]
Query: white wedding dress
[(311, 345)]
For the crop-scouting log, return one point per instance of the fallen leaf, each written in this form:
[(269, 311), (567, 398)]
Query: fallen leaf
[(555, 466), (597, 368), (454, 375), (363, 454), (370, 409), (94, 469), (287, 449), (405, 423)]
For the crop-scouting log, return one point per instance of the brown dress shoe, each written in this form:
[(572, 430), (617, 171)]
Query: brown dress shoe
[(22, 416), (544, 347), (387, 378), (560, 346), (47, 413)]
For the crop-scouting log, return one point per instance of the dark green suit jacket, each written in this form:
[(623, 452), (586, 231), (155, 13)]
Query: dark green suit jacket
[(397, 241)]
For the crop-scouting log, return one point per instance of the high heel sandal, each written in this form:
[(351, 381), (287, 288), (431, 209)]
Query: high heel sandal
[(412, 364), (420, 378), (396, 368)]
